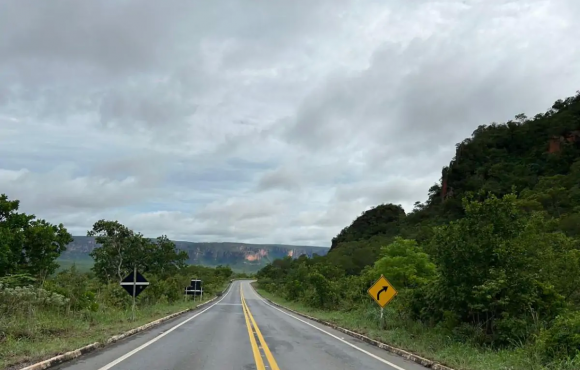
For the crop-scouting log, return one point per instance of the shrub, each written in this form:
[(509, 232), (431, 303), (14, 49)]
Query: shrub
[(28, 299), (326, 294), (562, 340), (405, 264), (76, 287), (497, 264), (113, 295)]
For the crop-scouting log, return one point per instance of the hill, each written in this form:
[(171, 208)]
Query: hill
[(535, 157), (490, 262), (241, 257)]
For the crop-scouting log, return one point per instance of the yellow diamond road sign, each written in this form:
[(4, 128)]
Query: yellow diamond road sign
[(382, 291)]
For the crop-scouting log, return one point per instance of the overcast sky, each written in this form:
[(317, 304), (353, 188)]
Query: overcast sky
[(260, 121)]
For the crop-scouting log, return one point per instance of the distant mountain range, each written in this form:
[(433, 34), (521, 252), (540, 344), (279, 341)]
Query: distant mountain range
[(240, 257)]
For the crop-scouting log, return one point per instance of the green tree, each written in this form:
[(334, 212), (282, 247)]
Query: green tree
[(28, 245), (498, 264), (162, 257), (5, 250), (404, 264), (75, 286), (325, 292), (121, 250), (113, 254)]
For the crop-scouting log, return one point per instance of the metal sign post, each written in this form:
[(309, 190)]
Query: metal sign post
[(134, 292), (134, 284), (195, 289), (382, 321)]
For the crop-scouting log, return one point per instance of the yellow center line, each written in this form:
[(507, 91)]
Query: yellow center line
[(255, 350), (269, 356)]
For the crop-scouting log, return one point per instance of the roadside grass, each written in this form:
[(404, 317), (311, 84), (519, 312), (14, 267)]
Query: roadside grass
[(36, 336), (432, 343)]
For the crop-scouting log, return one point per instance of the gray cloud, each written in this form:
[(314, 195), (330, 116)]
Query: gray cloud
[(434, 90), (58, 190), (266, 121), (112, 38), (279, 179), (395, 190)]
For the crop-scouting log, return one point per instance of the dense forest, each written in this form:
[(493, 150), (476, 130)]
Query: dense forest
[(492, 256)]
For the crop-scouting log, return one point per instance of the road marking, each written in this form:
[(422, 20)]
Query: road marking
[(129, 354), (332, 335), (255, 350), (229, 304), (269, 356)]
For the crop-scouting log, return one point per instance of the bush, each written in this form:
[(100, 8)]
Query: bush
[(163, 299), (76, 287), (498, 264), (405, 264), (112, 295), (562, 340), (354, 291), (325, 293), (11, 281), (27, 299), (267, 284), (158, 288), (293, 290)]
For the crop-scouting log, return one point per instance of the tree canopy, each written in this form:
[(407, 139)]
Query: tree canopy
[(121, 249), (28, 245)]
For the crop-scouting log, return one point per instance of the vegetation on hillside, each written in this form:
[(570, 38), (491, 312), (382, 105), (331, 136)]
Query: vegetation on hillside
[(43, 312), (490, 260)]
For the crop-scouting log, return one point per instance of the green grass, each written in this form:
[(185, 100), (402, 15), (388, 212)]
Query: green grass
[(36, 336), (428, 342)]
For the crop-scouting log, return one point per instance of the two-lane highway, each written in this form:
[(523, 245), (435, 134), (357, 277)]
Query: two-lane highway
[(240, 331)]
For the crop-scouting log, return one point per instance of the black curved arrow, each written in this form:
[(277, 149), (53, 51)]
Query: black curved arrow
[(385, 288)]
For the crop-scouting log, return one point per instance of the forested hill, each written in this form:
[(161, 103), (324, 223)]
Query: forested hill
[(492, 257), (537, 157)]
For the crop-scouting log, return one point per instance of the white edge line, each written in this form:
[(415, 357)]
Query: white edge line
[(129, 354), (330, 334)]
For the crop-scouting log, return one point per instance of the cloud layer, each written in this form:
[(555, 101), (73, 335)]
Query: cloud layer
[(263, 122)]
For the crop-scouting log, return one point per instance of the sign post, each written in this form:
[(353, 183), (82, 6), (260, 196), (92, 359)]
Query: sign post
[(195, 289), (134, 291), (382, 292), (134, 284)]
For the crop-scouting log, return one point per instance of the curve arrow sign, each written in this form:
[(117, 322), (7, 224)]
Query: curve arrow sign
[(385, 288)]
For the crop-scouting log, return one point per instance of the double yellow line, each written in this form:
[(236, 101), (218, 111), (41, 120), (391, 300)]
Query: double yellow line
[(253, 332)]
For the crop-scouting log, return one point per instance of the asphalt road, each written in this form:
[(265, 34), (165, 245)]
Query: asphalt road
[(241, 331)]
